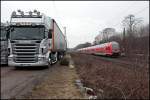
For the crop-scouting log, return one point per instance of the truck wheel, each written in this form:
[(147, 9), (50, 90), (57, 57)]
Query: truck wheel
[(60, 56), (53, 58)]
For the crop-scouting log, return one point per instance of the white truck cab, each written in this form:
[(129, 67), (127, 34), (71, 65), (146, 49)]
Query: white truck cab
[(31, 40)]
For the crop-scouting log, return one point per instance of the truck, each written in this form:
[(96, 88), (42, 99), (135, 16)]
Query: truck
[(4, 44), (34, 40)]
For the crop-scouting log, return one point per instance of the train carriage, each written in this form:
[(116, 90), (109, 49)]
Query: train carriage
[(107, 49)]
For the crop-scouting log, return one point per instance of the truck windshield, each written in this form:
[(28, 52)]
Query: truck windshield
[(27, 33), (3, 34)]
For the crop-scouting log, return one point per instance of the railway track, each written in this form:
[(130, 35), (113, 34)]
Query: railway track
[(122, 62), (128, 64)]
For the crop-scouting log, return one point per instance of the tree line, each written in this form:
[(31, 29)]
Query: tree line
[(134, 38)]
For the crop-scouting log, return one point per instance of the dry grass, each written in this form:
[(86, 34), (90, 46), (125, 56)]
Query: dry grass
[(58, 84), (117, 81)]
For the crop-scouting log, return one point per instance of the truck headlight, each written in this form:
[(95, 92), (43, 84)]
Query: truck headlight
[(41, 58), (10, 58)]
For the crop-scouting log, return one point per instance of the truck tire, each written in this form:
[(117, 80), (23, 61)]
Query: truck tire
[(60, 56), (49, 60), (53, 57)]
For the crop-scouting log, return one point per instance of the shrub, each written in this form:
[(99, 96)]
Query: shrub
[(65, 61)]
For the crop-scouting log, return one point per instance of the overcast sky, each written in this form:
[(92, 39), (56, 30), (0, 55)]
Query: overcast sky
[(83, 19)]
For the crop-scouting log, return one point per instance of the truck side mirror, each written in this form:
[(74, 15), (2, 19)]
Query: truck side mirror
[(49, 34)]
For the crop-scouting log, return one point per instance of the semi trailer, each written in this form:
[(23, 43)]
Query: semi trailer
[(4, 44), (34, 40)]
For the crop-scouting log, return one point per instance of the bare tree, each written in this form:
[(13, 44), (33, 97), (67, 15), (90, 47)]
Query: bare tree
[(130, 22), (107, 33)]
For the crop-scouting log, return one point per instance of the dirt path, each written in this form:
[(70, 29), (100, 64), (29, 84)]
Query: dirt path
[(15, 83), (58, 84)]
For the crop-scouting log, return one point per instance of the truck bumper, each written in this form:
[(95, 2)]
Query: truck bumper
[(39, 63)]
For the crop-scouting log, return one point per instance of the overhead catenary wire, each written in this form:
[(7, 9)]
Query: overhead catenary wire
[(134, 14), (119, 23), (141, 10), (122, 12)]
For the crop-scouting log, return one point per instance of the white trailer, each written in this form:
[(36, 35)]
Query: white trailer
[(34, 40)]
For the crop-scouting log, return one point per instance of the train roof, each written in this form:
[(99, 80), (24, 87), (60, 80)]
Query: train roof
[(95, 46)]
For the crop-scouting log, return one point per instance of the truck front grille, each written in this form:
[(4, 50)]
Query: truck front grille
[(25, 53)]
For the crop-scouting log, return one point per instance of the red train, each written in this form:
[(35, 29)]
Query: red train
[(106, 49)]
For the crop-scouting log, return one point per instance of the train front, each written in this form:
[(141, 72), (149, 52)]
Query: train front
[(115, 49)]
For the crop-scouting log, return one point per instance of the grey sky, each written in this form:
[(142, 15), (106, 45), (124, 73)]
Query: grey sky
[(83, 19)]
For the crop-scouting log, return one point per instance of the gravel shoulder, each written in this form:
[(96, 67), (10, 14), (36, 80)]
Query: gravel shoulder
[(58, 84)]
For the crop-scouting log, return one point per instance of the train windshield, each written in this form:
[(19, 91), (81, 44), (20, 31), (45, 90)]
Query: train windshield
[(115, 46), (27, 33)]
